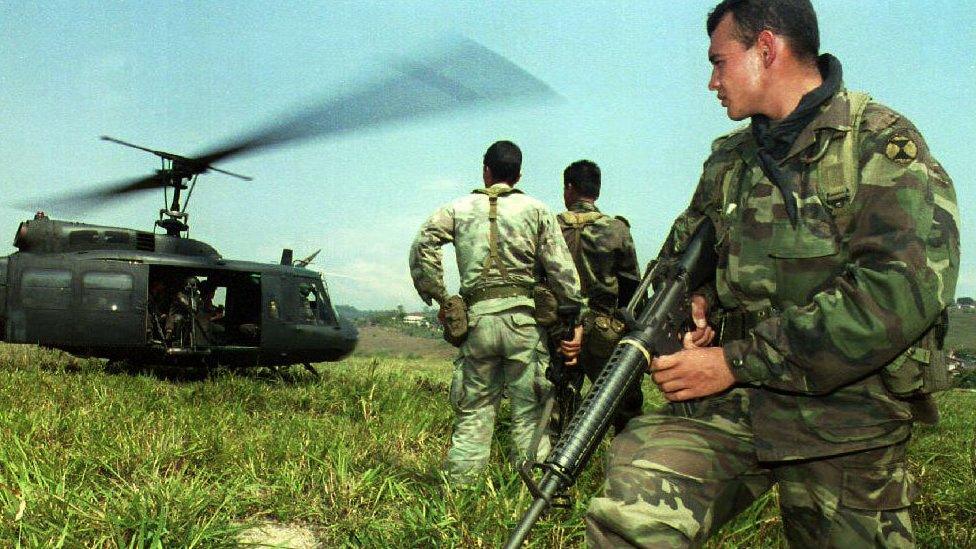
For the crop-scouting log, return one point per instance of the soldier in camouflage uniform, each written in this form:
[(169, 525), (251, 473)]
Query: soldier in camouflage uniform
[(838, 251), (499, 267), (603, 251)]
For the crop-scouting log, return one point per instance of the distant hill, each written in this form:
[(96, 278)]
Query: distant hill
[(350, 312), (389, 341)]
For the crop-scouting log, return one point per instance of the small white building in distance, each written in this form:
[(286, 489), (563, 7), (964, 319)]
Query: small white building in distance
[(414, 319)]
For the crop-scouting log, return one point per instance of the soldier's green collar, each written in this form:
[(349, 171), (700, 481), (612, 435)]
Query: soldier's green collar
[(583, 206), (835, 114), (497, 189)]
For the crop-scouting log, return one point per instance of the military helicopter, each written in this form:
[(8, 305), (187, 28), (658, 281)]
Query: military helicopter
[(161, 297)]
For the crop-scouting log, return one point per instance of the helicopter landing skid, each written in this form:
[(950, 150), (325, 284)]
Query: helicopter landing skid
[(312, 371)]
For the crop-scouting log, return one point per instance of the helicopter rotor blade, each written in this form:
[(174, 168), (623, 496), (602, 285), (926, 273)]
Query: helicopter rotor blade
[(232, 174), (464, 75), (186, 162), (80, 201), (161, 154)]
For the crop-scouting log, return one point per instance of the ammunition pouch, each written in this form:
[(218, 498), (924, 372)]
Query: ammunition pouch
[(923, 368), (455, 320), (601, 333), (546, 310)]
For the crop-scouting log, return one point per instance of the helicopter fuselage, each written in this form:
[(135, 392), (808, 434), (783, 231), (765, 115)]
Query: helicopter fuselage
[(122, 294)]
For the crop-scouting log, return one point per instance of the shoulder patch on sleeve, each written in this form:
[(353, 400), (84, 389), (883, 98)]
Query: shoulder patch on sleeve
[(901, 148), (623, 220)]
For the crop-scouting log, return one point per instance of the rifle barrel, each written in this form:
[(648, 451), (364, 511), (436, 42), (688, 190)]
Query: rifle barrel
[(656, 331), (549, 486)]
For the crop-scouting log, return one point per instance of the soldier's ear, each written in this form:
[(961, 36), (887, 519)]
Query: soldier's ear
[(767, 43), (517, 178)]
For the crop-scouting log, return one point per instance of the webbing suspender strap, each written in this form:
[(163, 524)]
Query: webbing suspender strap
[(577, 221), (493, 259)]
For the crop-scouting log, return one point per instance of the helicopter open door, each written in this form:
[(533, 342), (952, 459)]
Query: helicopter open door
[(199, 309)]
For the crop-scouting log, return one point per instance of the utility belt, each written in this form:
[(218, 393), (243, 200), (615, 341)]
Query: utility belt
[(485, 293), (545, 307)]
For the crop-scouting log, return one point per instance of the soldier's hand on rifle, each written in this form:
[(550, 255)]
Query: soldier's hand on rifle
[(692, 373), (570, 349), (703, 334)]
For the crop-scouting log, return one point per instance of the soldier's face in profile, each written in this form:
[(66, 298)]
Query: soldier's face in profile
[(736, 71)]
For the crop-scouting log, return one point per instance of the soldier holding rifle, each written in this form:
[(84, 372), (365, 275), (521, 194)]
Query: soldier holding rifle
[(837, 254)]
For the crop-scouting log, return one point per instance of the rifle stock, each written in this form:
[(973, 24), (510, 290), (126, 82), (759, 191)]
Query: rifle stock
[(656, 331)]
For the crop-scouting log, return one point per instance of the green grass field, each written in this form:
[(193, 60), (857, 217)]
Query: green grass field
[(90, 457), (962, 331)]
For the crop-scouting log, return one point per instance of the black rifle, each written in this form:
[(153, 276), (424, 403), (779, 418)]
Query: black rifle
[(655, 331), (566, 380), (566, 384)]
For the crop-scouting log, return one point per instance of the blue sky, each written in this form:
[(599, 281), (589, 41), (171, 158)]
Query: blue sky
[(184, 76)]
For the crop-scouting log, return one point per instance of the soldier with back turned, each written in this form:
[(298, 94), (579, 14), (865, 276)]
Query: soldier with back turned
[(604, 254), (505, 242)]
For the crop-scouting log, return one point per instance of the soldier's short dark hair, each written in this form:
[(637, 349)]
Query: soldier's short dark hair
[(794, 20), (584, 176), (504, 159)]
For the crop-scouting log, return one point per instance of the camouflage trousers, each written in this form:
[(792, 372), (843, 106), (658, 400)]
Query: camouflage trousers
[(673, 481), (504, 352)]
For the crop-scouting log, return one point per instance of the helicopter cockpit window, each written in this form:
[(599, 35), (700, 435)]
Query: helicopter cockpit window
[(314, 306), (309, 304)]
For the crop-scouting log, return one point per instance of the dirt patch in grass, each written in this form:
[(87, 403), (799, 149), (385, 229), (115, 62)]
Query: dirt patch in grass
[(282, 536)]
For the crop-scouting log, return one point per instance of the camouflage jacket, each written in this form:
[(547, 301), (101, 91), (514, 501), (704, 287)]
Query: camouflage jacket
[(530, 247), (844, 294), (607, 262)]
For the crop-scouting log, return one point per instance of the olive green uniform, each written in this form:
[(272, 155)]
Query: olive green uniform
[(603, 250), (831, 327), (505, 350)]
